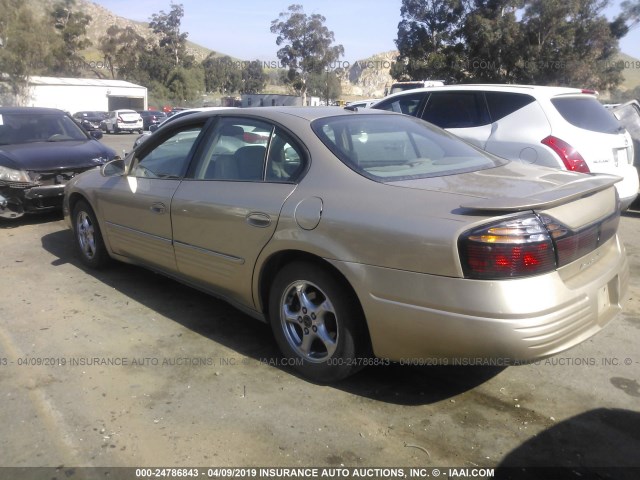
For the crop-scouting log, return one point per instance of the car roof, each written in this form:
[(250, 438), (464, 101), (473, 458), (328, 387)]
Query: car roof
[(281, 112), (34, 110), (536, 90)]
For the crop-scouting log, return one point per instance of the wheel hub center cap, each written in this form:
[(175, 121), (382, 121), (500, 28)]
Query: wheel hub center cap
[(307, 321)]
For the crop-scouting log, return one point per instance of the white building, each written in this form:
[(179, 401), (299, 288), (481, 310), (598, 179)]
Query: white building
[(76, 94)]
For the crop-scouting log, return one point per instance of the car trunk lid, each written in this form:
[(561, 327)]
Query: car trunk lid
[(129, 116), (577, 212)]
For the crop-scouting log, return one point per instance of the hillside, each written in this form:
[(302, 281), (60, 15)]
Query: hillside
[(102, 19), (631, 72), (365, 78)]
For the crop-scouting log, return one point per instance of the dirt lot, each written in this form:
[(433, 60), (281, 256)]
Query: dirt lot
[(124, 367)]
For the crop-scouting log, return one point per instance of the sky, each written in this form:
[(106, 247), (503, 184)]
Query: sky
[(363, 27)]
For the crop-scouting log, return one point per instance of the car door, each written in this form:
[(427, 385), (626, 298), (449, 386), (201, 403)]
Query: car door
[(137, 207), (463, 113), (227, 208), (518, 126)]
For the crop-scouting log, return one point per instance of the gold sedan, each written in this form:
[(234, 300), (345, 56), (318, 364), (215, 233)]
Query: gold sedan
[(362, 236)]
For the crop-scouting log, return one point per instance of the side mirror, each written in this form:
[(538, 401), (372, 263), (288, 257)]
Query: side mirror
[(114, 168), (97, 134)]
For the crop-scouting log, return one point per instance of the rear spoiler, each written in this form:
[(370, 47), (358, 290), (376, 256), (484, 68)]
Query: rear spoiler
[(580, 188)]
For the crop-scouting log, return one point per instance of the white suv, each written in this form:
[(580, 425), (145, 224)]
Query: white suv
[(123, 121), (558, 127)]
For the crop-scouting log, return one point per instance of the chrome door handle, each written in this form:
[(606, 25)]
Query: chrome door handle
[(257, 219), (158, 208)]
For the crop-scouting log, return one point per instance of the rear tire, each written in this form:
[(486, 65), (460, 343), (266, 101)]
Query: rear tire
[(317, 322), (88, 237)]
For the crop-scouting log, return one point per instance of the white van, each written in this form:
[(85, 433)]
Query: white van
[(398, 87)]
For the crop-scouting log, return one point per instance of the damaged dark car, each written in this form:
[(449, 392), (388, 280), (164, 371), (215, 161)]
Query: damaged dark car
[(41, 149)]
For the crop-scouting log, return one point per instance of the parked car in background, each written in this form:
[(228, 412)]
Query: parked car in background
[(170, 118), (363, 103), (123, 121), (175, 110), (91, 120), (41, 149), (564, 128), (363, 237), (397, 87), (151, 117)]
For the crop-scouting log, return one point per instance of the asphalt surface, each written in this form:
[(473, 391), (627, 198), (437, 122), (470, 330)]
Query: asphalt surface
[(126, 368)]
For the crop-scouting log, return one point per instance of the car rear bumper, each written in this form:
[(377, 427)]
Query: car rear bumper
[(416, 316), (129, 126)]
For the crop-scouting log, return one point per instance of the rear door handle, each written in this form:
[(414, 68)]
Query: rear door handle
[(258, 219), (158, 208)]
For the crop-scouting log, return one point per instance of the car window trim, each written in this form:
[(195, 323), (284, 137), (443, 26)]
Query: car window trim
[(199, 152), (423, 105), (147, 146), (306, 157)]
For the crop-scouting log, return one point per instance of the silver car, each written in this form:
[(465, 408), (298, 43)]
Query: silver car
[(362, 237)]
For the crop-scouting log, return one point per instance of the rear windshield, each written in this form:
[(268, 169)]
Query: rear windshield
[(586, 112), (398, 147)]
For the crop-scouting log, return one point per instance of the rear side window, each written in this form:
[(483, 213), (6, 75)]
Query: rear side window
[(586, 112), (502, 104), (407, 104), (457, 110)]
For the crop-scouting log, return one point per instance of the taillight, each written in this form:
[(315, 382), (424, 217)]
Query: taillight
[(120, 119), (529, 245), (574, 244), (571, 158), (517, 247)]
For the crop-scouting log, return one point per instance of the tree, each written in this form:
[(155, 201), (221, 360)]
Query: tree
[(166, 65), (306, 46), (185, 84), (221, 74), (570, 42), (325, 85), (121, 49), (430, 40), (72, 30), (556, 42), (493, 41), (253, 77), (24, 49), (631, 11), (172, 42)]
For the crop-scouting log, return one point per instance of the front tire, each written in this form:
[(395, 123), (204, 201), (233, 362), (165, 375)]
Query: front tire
[(317, 322), (88, 237)]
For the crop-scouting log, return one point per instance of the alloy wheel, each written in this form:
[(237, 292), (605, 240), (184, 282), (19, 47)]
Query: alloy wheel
[(309, 321)]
